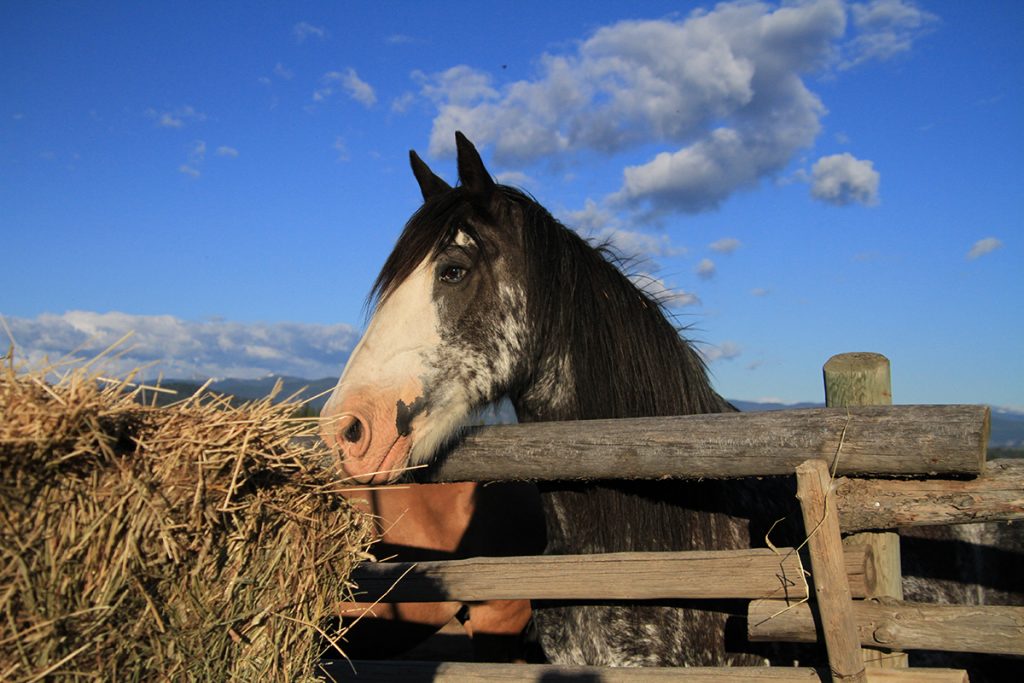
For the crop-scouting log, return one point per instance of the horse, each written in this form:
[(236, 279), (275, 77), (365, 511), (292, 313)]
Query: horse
[(419, 522), (444, 521), (486, 295)]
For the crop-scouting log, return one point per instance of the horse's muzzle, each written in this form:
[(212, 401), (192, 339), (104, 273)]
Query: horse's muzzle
[(349, 434), (370, 432)]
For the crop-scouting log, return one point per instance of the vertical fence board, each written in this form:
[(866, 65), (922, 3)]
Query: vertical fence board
[(832, 590), (865, 379)]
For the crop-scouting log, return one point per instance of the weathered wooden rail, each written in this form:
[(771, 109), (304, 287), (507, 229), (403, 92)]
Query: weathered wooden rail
[(461, 672), (876, 440), (757, 573), (898, 442), (894, 624)]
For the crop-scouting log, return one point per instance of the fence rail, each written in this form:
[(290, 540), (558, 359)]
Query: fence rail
[(743, 574), (877, 440), (901, 442), (461, 672), (896, 624), (995, 495)]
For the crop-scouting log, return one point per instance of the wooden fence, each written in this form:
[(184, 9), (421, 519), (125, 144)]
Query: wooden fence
[(857, 593)]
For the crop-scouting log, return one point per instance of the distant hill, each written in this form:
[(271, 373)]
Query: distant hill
[(1007, 425), (254, 389), (1007, 429), (756, 407), (249, 389)]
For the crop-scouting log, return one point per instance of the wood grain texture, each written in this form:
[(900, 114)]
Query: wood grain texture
[(995, 495), (863, 379), (831, 588), (457, 672), (901, 625), (741, 574), (884, 440), (857, 379), (464, 672)]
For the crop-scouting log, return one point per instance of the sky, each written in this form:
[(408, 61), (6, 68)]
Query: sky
[(797, 179)]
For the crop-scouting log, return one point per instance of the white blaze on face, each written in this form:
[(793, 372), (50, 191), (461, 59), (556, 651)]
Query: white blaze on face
[(385, 376)]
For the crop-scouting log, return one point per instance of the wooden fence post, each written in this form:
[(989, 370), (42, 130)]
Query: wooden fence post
[(863, 379), (831, 587)]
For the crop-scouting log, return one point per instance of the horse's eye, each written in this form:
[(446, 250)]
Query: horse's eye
[(452, 274)]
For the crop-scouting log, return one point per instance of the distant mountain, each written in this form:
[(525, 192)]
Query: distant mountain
[(1007, 428), (1007, 425), (254, 389), (756, 407), (249, 389)]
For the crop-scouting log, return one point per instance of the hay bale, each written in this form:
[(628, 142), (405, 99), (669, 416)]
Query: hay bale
[(189, 542)]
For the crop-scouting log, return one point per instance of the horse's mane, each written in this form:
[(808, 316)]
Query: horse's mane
[(627, 357)]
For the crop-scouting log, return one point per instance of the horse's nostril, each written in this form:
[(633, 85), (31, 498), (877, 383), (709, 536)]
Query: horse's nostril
[(354, 432)]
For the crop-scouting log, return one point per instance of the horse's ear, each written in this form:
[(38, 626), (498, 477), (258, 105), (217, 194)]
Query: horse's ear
[(430, 184), (472, 173)]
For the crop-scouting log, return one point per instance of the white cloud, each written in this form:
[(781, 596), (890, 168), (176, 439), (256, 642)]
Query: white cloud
[(591, 219), (303, 30), (727, 350), (885, 28), (667, 296), (706, 269), (358, 89), (281, 71), (602, 226), (726, 245), (760, 291), (842, 179), (983, 246), (721, 92), (176, 118), (197, 153), (196, 157), (188, 349), (723, 87), (459, 86), (225, 151), (399, 39), (341, 148), (167, 120), (349, 81), (514, 179), (401, 104), (633, 244)]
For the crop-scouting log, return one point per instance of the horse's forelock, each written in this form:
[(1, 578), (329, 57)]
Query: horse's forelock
[(428, 232)]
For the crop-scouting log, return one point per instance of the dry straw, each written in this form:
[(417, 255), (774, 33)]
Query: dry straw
[(190, 542)]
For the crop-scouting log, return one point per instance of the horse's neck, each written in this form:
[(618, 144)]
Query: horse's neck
[(551, 395)]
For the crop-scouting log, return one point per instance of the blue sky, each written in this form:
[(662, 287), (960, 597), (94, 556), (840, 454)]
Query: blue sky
[(802, 180)]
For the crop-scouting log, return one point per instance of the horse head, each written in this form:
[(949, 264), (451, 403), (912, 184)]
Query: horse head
[(446, 335)]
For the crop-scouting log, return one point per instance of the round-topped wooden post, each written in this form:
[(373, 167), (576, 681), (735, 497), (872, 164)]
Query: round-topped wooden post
[(863, 379), (857, 379)]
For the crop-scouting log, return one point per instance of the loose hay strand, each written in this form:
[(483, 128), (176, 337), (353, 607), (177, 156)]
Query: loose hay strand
[(139, 542), (833, 467)]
